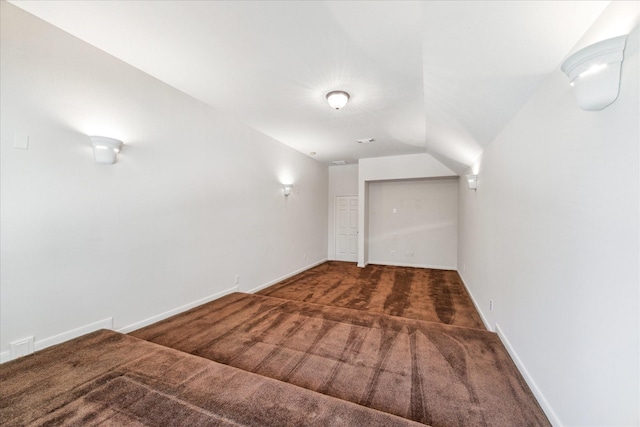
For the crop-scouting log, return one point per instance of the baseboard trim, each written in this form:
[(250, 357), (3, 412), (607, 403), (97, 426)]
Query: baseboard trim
[(544, 404), (5, 356), (107, 323), (476, 305), (286, 276), (546, 407), (405, 264), (158, 317)]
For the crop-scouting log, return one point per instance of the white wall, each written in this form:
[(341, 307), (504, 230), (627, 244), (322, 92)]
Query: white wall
[(343, 181), (412, 166), (552, 236), (194, 199), (414, 223)]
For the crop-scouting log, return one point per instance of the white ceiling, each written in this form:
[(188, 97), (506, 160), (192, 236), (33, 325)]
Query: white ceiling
[(442, 77)]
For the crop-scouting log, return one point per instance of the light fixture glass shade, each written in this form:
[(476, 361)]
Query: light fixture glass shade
[(105, 149), (472, 182), (337, 99), (594, 73)]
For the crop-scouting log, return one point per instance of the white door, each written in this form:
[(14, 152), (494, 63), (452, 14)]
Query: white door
[(347, 228)]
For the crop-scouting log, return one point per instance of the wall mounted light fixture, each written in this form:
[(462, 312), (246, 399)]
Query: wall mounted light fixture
[(594, 73), (472, 182), (287, 189), (105, 149), (337, 99)]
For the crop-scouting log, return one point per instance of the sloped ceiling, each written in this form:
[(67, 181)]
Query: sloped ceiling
[(442, 77)]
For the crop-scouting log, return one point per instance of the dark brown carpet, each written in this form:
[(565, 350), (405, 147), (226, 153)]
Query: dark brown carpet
[(428, 372), (109, 379), (415, 293)]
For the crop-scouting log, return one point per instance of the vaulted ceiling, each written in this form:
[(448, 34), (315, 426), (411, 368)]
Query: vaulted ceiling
[(442, 77)]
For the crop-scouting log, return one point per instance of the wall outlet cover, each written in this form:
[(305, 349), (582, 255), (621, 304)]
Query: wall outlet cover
[(22, 347)]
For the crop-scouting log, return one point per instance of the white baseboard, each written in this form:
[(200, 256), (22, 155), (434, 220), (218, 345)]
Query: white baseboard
[(107, 323), (476, 305), (286, 276), (548, 410), (153, 319), (5, 356), (405, 264)]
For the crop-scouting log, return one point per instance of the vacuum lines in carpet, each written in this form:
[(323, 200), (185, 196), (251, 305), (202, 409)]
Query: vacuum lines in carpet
[(110, 379), (415, 293), (432, 373)]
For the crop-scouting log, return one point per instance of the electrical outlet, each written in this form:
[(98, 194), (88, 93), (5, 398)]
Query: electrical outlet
[(21, 347), (304, 256), (237, 279), (393, 253), (490, 305)]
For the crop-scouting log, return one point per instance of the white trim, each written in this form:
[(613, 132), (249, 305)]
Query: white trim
[(153, 319), (544, 404), (5, 356), (107, 323), (286, 276), (476, 305), (74, 333), (546, 407), (405, 264)]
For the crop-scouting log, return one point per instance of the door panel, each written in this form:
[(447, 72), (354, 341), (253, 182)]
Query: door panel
[(347, 228)]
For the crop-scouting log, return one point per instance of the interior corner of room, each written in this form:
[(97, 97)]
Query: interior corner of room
[(132, 192)]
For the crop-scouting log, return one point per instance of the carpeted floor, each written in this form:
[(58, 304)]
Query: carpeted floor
[(335, 345), (429, 372), (414, 293), (110, 379)]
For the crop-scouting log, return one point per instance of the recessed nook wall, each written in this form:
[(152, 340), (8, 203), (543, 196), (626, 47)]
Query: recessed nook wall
[(414, 166), (414, 223)]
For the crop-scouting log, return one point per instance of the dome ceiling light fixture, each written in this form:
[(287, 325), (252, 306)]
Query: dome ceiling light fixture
[(337, 99)]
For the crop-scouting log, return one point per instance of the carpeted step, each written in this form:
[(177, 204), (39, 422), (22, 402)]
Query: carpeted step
[(107, 378), (428, 372)]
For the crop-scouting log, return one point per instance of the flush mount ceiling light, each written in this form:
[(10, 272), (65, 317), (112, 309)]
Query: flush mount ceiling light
[(337, 99), (594, 73), (105, 149)]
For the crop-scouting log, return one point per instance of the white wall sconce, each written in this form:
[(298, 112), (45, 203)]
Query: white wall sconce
[(594, 73), (105, 149), (287, 189), (472, 182), (337, 99)]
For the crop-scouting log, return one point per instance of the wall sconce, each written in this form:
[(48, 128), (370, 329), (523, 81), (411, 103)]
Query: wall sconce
[(105, 149), (472, 182), (594, 73), (287, 189)]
